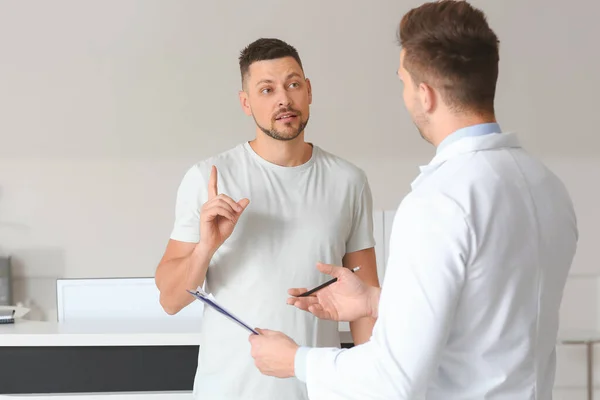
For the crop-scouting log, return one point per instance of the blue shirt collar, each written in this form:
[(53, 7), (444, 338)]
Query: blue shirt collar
[(474, 130)]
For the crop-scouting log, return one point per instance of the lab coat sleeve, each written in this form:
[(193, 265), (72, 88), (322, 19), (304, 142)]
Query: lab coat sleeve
[(429, 248), (300, 363)]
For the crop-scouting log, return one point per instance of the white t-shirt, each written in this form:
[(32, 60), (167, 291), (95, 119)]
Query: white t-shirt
[(297, 216)]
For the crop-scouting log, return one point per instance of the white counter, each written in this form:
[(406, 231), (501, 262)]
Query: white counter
[(116, 333), (90, 333)]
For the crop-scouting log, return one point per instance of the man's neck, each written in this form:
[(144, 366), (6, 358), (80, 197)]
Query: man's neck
[(454, 123), (290, 153)]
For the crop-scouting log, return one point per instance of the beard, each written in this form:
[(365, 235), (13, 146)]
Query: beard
[(288, 134)]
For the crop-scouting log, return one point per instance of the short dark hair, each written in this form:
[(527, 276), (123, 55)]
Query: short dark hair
[(265, 49), (449, 45)]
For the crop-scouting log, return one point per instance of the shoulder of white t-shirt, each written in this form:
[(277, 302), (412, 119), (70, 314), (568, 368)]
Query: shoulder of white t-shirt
[(341, 165), (223, 159)]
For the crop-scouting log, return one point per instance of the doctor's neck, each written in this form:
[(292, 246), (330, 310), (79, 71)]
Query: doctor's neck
[(444, 125)]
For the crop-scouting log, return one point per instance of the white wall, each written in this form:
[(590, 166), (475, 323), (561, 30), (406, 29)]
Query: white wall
[(105, 104)]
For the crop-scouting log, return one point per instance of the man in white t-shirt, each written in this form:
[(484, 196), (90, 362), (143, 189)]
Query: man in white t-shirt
[(278, 206)]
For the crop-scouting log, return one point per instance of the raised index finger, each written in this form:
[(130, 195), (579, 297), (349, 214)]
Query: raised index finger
[(212, 183)]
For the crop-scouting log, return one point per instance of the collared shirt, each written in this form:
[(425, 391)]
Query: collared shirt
[(474, 130), (479, 255)]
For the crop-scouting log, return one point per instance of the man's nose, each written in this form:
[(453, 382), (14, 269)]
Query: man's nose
[(284, 100)]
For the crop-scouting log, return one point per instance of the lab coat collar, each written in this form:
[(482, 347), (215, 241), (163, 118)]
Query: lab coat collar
[(467, 145)]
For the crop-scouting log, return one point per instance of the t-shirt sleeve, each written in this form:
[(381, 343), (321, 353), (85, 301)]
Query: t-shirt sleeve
[(191, 195), (361, 234)]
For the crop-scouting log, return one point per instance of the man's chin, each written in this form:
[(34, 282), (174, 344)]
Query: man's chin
[(288, 132), (286, 135)]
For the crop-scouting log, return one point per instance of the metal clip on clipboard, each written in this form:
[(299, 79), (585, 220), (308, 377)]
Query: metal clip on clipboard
[(210, 300)]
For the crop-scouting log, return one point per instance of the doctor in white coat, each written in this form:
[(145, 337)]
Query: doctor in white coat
[(479, 251)]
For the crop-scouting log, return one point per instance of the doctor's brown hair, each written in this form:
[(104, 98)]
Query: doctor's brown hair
[(450, 46)]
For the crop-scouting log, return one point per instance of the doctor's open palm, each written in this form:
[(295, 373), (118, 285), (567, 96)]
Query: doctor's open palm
[(218, 215), (348, 299)]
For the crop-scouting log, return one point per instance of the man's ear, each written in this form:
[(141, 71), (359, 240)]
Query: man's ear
[(245, 102), (309, 86)]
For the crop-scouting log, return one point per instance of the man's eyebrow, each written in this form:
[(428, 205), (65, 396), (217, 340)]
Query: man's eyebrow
[(293, 74), (264, 81)]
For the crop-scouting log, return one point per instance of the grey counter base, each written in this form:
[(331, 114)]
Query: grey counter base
[(97, 369), (37, 370)]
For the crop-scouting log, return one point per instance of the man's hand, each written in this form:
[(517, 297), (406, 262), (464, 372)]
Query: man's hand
[(348, 299), (218, 216), (274, 353)]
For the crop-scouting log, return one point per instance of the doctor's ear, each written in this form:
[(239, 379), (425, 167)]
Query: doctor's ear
[(427, 97)]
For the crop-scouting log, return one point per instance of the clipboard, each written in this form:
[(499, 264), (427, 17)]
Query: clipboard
[(211, 301)]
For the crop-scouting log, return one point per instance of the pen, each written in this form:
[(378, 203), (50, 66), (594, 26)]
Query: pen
[(324, 284)]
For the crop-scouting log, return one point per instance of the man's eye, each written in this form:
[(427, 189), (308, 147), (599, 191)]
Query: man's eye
[(266, 91), (294, 85)]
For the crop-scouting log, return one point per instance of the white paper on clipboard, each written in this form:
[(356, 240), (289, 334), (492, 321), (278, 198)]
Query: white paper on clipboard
[(210, 300)]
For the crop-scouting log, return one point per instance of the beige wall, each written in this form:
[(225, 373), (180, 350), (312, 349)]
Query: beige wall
[(105, 104)]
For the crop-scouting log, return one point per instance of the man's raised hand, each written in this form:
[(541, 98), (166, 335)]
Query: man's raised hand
[(218, 216)]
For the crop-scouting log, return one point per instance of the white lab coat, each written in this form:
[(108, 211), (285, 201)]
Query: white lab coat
[(479, 255)]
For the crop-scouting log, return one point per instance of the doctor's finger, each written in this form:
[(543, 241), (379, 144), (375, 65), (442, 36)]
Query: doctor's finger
[(332, 270), (302, 303), (318, 311), (298, 291)]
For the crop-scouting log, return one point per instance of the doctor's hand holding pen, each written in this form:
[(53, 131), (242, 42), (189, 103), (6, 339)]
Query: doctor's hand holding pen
[(348, 298), (344, 298)]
